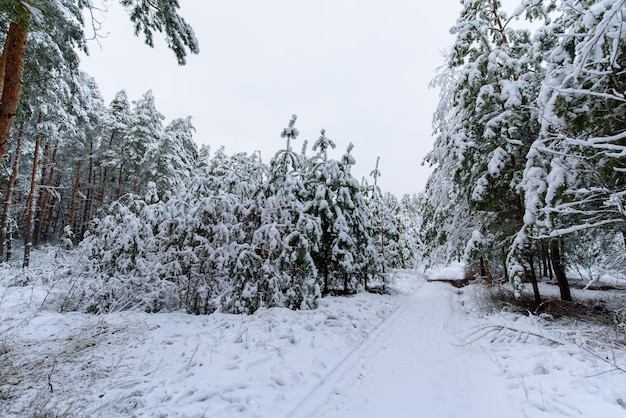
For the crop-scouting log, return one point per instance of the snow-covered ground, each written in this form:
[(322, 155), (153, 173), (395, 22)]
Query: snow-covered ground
[(429, 349)]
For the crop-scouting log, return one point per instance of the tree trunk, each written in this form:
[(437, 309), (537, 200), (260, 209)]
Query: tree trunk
[(50, 215), (14, 51), (531, 275), (104, 173), (118, 192), (30, 205), (102, 187), (4, 226), (88, 199), (559, 270), (43, 194), (45, 198), (484, 270), (3, 61), (73, 203), (506, 270), (9, 242)]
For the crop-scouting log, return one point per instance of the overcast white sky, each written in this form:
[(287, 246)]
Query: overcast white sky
[(358, 68)]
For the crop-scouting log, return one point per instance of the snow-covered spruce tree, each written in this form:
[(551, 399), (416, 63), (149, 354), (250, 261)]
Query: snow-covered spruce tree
[(496, 82)]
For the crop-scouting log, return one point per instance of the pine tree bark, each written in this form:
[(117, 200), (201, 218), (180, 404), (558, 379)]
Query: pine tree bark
[(559, 270), (30, 205), (42, 194), (3, 61), (14, 52), (50, 219), (104, 174), (42, 208), (4, 225), (87, 210), (75, 189), (102, 188)]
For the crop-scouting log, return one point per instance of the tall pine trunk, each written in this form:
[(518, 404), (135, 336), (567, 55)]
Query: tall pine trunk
[(52, 190), (75, 189), (50, 219), (3, 61), (14, 52), (44, 196), (88, 199), (4, 225), (30, 204), (559, 270)]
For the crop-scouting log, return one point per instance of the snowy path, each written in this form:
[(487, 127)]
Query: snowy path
[(412, 366)]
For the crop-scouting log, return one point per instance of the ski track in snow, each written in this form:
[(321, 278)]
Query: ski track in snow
[(413, 365)]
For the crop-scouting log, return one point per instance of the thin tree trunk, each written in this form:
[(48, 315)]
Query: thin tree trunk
[(10, 245), (104, 175), (15, 50), (88, 200), (533, 280), (43, 194), (484, 270), (118, 192), (73, 203), (559, 270), (50, 215), (3, 61), (4, 226), (504, 266), (30, 204), (50, 194)]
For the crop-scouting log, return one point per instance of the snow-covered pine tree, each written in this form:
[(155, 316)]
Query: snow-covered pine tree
[(575, 171), (496, 81), (177, 154), (382, 229), (62, 20), (140, 157), (280, 246), (116, 121), (574, 174), (447, 222)]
